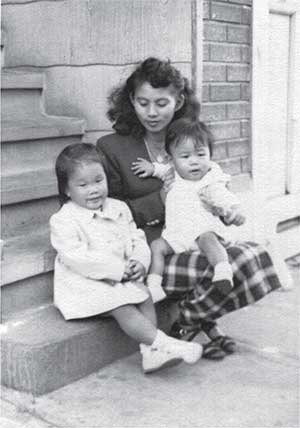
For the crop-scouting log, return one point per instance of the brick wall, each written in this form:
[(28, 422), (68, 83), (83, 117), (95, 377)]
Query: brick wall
[(226, 81)]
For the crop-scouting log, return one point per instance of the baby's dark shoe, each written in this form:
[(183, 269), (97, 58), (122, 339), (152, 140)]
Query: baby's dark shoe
[(184, 332), (226, 343)]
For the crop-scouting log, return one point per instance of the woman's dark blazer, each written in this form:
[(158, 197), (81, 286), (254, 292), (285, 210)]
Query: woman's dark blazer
[(141, 194)]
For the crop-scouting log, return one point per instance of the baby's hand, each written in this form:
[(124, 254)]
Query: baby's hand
[(137, 270), (234, 216), (142, 168)]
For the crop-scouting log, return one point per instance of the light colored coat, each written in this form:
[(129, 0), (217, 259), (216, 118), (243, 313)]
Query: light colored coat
[(93, 248)]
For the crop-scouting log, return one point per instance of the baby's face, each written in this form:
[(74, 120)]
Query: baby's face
[(191, 160), (87, 186)]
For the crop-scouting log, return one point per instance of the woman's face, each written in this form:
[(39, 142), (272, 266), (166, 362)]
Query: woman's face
[(155, 107)]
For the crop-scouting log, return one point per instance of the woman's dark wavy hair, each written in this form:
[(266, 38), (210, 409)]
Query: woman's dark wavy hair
[(69, 158), (160, 74), (186, 128)]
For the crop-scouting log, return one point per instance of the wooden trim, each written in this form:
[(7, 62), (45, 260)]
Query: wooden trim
[(283, 7), (293, 184), (197, 46), (259, 94)]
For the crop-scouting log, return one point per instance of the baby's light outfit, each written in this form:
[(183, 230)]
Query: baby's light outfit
[(92, 250), (188, 206), (160, 170)]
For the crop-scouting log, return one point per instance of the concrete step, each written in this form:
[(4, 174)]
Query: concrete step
[(27, 255), (21, 79), (27, 271), (42, 352), (28, 185), (21, 94), (27, 215), (43, 127), (18, 155)]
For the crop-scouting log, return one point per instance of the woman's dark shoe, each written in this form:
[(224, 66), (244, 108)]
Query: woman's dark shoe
[(184, 332), (225, 343), (212, 351)]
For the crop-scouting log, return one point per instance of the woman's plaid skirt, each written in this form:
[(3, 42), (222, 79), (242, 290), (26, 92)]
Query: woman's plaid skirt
[(188, 278)]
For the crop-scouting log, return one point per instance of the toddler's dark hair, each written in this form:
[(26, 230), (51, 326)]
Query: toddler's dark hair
[(69, 158), (160, 74), (186, 128)]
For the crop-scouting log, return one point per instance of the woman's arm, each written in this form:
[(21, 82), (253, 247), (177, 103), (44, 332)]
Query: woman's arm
[(75, 254)]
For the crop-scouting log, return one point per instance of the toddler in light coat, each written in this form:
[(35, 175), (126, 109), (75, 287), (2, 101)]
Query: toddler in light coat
[(102, 259)]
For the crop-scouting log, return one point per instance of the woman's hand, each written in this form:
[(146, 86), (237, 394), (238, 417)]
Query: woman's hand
[(235, 216), (142, 168), (137, 270)]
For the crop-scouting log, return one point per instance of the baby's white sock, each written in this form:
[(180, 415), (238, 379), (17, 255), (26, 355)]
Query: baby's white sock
[(154, 282), (223, 270)]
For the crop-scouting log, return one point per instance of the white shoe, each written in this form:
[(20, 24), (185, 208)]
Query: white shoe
[(156, 359), (190, 352)]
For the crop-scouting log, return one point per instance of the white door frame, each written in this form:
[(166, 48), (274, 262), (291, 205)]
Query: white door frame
[(286, 206)]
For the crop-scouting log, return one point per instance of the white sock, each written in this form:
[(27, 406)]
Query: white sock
[(160, 340), (154, 282), (143, 347), (223, 270)]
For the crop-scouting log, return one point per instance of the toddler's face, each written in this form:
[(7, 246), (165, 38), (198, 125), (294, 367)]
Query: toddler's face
[(87, 186), (191, 160)]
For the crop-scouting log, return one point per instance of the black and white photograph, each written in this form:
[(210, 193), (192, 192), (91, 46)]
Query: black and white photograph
[(150, 214)]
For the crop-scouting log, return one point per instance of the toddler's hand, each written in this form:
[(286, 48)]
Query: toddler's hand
[(127, 273), (235, 216), (137, 270), (142, 168)]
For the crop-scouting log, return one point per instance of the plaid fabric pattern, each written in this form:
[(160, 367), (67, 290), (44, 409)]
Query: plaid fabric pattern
[(188, 277)]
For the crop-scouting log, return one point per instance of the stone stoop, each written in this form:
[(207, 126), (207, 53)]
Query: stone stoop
[(41, 352)]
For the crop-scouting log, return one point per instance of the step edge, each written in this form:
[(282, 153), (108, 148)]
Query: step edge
[(58, 126), (21, 79), (34, 261)]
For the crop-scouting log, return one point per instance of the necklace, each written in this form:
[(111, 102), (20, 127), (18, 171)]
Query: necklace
[(159, 156)]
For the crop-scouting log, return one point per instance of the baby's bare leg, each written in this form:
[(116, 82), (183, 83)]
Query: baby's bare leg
[(210, 245), (217, 256), (159, 250)]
